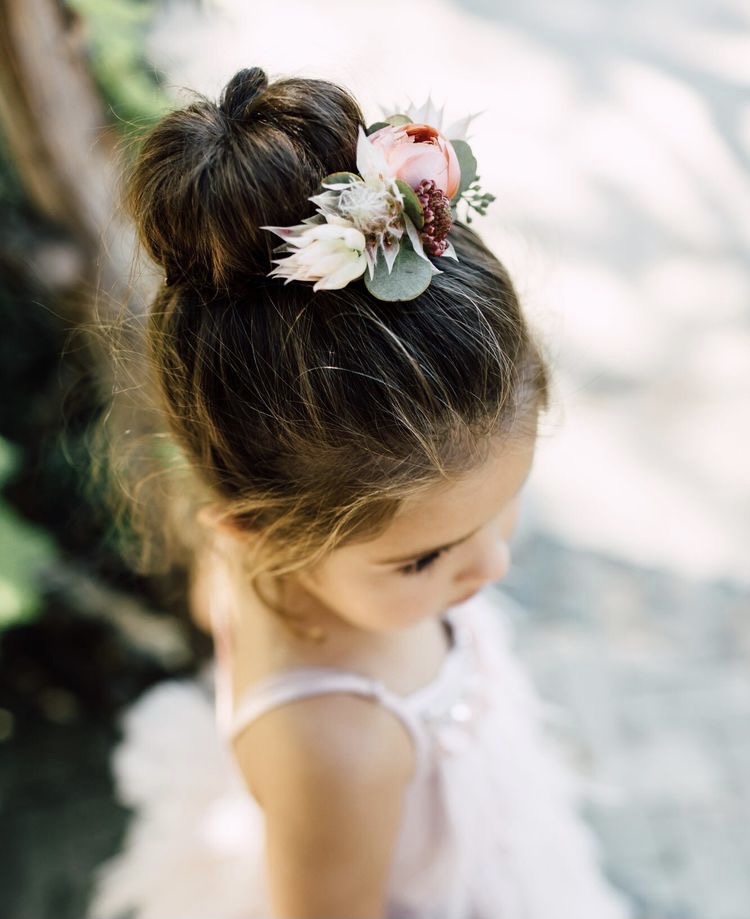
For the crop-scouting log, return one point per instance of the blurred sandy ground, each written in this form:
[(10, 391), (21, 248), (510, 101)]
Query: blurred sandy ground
[(616, 137)]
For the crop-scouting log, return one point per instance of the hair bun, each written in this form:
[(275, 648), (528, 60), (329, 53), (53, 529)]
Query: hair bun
[(242, 91), (210, 176)]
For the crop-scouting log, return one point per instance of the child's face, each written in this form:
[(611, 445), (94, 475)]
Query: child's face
[(440, 548)]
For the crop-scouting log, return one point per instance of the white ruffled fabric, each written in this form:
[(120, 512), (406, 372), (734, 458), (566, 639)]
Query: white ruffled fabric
[(489, 831), (523, 850), (193, 846)]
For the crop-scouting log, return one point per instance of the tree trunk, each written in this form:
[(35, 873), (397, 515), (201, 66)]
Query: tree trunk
[(65, 153)]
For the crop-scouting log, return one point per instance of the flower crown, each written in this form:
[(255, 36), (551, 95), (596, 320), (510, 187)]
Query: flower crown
[(384, 221)]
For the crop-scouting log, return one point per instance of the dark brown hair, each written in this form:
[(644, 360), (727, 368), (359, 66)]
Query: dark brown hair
[(310, 415)]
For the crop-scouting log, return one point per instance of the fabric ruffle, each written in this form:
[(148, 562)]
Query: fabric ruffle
[(526, 852), (193, 848)]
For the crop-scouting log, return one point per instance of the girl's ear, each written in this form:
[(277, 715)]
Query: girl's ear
[(213, 517)]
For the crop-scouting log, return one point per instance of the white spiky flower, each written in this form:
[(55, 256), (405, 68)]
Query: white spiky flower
[(331, 254), (429, 113)]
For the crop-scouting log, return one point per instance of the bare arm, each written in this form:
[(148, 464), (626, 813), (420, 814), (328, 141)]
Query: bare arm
[(329, 772)]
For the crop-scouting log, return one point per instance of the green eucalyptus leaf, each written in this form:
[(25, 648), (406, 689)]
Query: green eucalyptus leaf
[(468, 165), (341, 178), (376, 127), (412, 204), (409, 277), (395, 120)]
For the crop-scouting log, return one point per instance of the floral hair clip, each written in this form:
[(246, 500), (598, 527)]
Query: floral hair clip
[(384, 221)]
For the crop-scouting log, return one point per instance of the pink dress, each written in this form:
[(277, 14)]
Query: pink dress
[(489, 828)]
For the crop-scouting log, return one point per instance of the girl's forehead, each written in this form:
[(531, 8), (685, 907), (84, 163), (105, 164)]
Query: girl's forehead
[(450, 510)]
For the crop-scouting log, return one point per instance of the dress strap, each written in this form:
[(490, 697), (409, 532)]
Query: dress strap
[(304, 682)]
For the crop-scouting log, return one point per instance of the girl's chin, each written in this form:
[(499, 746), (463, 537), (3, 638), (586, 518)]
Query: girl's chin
[(465, 597)]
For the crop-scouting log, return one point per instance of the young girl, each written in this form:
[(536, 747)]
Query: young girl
[(361, 433)]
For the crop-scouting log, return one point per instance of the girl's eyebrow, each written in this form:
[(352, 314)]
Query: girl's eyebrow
[(415, 555)]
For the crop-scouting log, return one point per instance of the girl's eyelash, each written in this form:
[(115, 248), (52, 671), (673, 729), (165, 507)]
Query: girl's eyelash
[(420, 564)]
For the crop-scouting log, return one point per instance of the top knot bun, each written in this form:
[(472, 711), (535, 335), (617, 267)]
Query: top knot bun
[(208, 176), (242, 91)]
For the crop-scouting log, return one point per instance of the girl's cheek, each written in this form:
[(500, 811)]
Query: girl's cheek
[(510, 518), (419, 590)]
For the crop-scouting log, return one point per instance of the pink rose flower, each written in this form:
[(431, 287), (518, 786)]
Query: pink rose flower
[(418, 151)]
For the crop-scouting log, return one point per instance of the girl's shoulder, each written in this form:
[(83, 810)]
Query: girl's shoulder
[(338, 714), (321, 743), (328, 773)]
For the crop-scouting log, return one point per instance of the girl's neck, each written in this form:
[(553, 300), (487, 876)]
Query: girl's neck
[(292, 618), (264, 643)]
